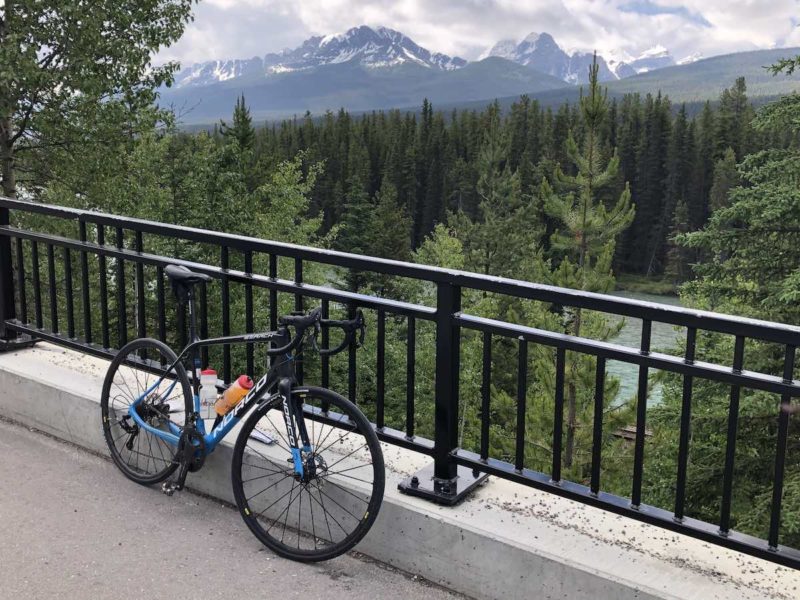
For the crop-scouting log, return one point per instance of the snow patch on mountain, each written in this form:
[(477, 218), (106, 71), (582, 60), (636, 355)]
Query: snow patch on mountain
[(541, 52), (694, 57), (373, 48)]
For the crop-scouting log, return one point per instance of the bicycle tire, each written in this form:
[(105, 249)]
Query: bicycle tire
[(337, 493), (139, 360)]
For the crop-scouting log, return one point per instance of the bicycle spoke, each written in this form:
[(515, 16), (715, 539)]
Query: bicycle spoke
[(321, 502), (349, 454), (337, 504), (359, 498), (329, 472)]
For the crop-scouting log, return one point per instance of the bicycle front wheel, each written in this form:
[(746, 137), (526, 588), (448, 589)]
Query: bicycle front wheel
[(327, 510)]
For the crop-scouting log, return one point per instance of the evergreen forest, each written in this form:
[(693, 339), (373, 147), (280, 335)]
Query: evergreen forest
[(588, 196)]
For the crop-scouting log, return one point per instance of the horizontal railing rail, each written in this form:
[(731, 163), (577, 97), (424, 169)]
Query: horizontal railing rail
[(104, 285)]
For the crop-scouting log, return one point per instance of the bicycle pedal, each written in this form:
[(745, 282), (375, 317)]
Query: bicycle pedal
[(168, 488)]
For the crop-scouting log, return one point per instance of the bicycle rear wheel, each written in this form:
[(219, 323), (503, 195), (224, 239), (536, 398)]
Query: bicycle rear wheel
[(138, 367), (327, 511)]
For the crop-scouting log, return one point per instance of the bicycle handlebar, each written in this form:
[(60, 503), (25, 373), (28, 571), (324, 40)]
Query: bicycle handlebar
[(301, 322)]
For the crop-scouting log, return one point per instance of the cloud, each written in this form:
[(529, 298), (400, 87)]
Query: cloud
[(245, 28)]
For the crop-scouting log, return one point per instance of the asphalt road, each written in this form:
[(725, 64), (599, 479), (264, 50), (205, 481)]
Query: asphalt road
[(71, 526)]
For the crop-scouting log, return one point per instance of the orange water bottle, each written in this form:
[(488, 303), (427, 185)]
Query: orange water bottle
[(235, 392)]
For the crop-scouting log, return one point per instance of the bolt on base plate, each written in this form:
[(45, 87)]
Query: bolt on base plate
[(448, 492)]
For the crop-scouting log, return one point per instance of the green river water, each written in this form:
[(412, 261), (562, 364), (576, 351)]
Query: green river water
[(664, 339)]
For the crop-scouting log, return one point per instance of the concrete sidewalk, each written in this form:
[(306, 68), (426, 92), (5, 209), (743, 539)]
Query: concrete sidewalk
[(74, 527)]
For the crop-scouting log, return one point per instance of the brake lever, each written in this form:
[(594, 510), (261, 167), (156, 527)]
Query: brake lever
[(361, 323), (317, 331)]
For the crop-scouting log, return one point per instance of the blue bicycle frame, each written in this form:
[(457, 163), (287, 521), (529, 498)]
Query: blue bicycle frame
[(268, 382)]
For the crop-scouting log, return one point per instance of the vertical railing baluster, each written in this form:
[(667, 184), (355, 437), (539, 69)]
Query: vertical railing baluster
[(411, 351), (122, 308), (686, 422), (101, 261), (273, 293), (597, 431), (141, 323), (325, 360), (780, 452), (273, 299), (85, 293), (351, 361), (70, 305), (8, 308), (298, 307), (522, 396), (23, 300), (730, 450), (558, 416), (226, 315), (486, 392), (249, 324), (641, 418), (53, 291), (204, 323), (37, 285), (380, 371), (161, 308)]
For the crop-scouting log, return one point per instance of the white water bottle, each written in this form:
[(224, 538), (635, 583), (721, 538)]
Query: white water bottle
[(208, 393)]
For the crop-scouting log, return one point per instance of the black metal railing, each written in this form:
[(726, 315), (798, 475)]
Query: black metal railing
[(100, 255)]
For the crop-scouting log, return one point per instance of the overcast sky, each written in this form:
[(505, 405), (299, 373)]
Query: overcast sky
[(466, 28)]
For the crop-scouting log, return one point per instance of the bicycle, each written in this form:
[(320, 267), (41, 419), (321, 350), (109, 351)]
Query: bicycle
[(324, 451)]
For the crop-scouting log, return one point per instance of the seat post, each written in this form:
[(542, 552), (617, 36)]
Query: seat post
[(195, 354), (192, 315)]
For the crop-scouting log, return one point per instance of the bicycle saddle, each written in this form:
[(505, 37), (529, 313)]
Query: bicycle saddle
[(180, 274)]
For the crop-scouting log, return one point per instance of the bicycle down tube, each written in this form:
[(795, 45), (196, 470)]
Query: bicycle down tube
[(212, 438)]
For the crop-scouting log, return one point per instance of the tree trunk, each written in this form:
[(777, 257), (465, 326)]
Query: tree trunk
[(7, 159), (572, 402)]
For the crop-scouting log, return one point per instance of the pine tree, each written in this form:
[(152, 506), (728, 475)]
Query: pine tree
[(726, 177), (241, 131), (583, 246), (678, 169), (505, 235)]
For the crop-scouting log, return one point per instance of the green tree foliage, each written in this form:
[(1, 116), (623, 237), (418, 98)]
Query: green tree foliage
[(69, 83), (505, 233), (583, 244), (725, 178), (752, 249)]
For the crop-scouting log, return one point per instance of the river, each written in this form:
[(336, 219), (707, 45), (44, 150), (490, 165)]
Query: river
[(664, 338)]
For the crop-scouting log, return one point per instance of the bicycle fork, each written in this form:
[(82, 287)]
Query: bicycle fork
[(295, 426)]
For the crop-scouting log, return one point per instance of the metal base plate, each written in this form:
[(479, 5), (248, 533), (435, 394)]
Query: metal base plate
[(17, 343), (442, 491)]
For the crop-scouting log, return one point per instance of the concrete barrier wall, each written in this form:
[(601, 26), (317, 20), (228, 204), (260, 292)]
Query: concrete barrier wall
[(506, 541)]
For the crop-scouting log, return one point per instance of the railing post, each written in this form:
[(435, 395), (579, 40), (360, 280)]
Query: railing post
[(9, 340), (7, 308), (445, 482)]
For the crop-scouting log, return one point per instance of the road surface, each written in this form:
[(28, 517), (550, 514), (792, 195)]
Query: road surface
[(71, 526)]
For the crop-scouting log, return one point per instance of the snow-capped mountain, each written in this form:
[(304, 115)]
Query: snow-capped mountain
[(694, 57), (372, 48), (653, 58), (541, 52)]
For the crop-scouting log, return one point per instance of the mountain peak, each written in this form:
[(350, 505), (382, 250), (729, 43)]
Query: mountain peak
[(540, 51), (656, 51), (369, 47), (533, 37)]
